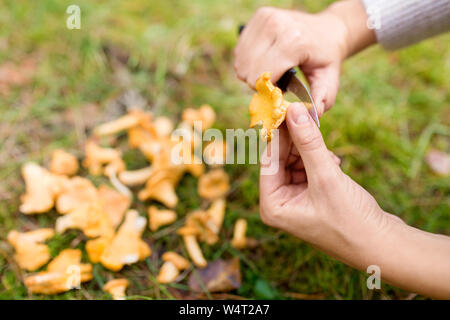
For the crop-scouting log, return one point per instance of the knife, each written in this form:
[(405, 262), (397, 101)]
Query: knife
[(290, 82)]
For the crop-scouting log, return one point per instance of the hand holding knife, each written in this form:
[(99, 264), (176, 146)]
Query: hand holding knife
[(290, 82)]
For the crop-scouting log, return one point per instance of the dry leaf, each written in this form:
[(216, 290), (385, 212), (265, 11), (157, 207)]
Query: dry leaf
[(218, 276)]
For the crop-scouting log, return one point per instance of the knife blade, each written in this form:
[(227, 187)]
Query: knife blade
[(298, 88)]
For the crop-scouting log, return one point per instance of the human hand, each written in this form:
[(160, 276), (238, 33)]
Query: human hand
[(275, 40), (311, 198)]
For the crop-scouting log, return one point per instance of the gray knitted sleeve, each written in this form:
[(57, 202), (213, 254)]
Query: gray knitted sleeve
[(399, 23)]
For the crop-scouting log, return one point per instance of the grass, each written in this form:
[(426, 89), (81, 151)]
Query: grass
[(391, 108)]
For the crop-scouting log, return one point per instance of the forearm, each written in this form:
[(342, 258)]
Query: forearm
[(353, 15), (409, 258)]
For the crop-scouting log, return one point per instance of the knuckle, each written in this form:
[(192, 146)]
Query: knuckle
[(264, 11), (310, 139)]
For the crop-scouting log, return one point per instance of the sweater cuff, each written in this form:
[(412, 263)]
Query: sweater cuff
[(399, 23)]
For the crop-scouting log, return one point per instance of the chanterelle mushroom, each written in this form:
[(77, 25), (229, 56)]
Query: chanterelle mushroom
[(90, 218), (239, 240), (214, 184), (205, 114), (161, 187), (158, 218), (63, 273), (63, 163), (102, 160), (135, 177), (215, 153), (114, 204), (133, 119), (173, 264), (126, 247), (42, 187), (77, 191), (192, 247), (31, 253), (267, 107), (117, 288)]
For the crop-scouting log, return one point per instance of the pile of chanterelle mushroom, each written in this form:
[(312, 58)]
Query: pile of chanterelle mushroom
[(114, 231)]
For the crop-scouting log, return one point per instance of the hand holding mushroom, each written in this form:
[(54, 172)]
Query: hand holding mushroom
[(310, 197)]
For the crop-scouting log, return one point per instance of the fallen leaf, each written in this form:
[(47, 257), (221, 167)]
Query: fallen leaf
[(218, 276)]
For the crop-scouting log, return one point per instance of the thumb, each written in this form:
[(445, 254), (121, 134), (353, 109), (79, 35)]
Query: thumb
[(324, 87), (309, 142)]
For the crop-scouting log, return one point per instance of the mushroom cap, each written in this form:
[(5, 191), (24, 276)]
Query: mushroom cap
[(76, 191), (114, 204), (205, 114), (90, 218), (267, 106), (117, 288), (126, 247), (215, 153), (31, 253), (159, 218), (168, 272), (42, 187), (63, 273), (213, 184), (102, 160), (163, 126), (63, 163), (179, 261)]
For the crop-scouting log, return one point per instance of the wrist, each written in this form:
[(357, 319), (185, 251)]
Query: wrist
[(353, 16)]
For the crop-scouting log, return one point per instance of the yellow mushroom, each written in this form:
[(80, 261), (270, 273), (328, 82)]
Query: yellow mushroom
[(117, 288), (179, 261), (194, 251), (96, 247), (114, 204), (42, 188), (76, 191), (31, 253), (168, 273), (63, 273), (205, 114), (63, 163), (135, 177), (239, 240), (102, 160), (173, 264), (267, 107), (126, 247), (88, 217), (131, 120), (214, 184), (161, 187), (163, 126), (158, 218), (215, 153)]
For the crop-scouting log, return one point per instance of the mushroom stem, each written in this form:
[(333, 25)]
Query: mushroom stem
[(190, 241), (135, 177), (168, 272), (239, 240)]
